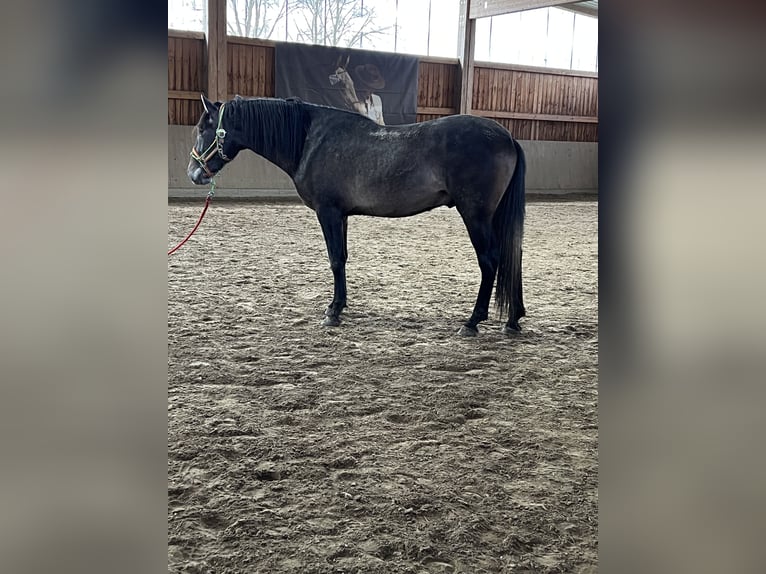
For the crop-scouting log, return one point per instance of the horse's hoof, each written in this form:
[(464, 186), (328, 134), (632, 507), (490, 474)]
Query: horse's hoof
[(330, 311), (466, 331), (511, 330), (331, 321)]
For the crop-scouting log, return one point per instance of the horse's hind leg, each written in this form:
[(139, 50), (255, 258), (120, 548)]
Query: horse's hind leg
[(480, 232), (335, 231)]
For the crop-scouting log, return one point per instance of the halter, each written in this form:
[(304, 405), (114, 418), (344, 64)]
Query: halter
[(215, 147)]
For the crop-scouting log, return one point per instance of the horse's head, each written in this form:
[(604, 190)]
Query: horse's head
[(212, 149)]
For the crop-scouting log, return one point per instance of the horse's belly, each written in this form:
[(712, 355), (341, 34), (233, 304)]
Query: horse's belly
[(400, 203)]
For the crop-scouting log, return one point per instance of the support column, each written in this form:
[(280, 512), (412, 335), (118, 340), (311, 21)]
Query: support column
[(217, 88), (466, 42)]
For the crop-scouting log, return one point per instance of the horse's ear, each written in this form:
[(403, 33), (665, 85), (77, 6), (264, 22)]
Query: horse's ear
[(209, 106)]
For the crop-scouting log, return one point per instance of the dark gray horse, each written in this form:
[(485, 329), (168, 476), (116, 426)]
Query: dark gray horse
[(345, 164)]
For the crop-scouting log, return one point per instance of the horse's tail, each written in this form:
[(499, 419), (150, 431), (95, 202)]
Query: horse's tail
[(509, 231)]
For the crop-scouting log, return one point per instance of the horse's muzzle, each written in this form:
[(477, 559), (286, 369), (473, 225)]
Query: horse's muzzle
[(198, 176)]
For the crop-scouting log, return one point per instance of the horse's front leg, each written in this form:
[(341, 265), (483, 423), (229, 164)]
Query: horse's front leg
[(335, 230)]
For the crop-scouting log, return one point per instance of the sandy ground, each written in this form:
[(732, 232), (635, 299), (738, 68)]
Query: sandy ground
[(388, 444)]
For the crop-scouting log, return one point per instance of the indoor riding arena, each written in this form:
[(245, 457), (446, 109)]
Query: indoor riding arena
[(388, 444)]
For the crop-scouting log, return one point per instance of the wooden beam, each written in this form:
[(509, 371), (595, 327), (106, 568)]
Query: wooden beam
[(185, 34), (538, 117), (182, 95), (437, 111), (536, 69), (486, 8), (466, 39), (250, 41), (216, 50)]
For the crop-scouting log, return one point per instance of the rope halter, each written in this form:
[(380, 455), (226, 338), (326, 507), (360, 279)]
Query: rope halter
[(216, 147)]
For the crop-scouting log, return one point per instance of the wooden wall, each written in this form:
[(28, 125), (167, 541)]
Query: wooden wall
[(533, 103), (186, 77), (537, 104), (251, 68)]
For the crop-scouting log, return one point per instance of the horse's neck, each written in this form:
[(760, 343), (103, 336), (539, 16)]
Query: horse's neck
[(277, 141)]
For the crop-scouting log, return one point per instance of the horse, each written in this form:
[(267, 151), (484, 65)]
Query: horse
[(345, 164)]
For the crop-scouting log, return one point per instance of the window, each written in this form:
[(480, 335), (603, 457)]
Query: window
[(187, 15), (548, 37)]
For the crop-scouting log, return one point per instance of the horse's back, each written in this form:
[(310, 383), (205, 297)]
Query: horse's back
[(402, 170)]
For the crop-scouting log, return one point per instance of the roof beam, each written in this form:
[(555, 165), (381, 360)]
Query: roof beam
[(486, 8), (581, 8)]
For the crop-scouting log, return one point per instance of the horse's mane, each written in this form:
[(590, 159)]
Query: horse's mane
[(273, 126)]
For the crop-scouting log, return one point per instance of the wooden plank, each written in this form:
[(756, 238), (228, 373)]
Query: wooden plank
[(171, 64), (260, 77), (250, 41), (186, 34), (424, 86), (494, 89), (549, 95), (536, 69), (178, 85), (250, 87), (270, 85), (183, 95), (438, 60), (194, 65), (230, 69), (531, 116), (234, 85), (181, 109), (436, 111), (438, 86), (507, 98), (434, 86), (537, 86), (451, 101), (185, 66)]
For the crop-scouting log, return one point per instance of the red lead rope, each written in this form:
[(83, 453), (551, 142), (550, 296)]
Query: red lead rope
[(207, 202)]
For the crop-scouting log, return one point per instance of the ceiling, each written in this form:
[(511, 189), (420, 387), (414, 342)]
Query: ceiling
[(485, 8)]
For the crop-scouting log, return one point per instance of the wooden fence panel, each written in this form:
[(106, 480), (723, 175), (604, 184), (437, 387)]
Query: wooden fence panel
[(186, 77), (250, 67), (437, 88), (537, 103)]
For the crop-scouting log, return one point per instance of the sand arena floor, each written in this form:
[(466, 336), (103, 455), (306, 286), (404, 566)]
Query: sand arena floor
[(389, 444)]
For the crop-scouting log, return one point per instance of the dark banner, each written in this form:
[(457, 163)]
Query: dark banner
[(379, 85)]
